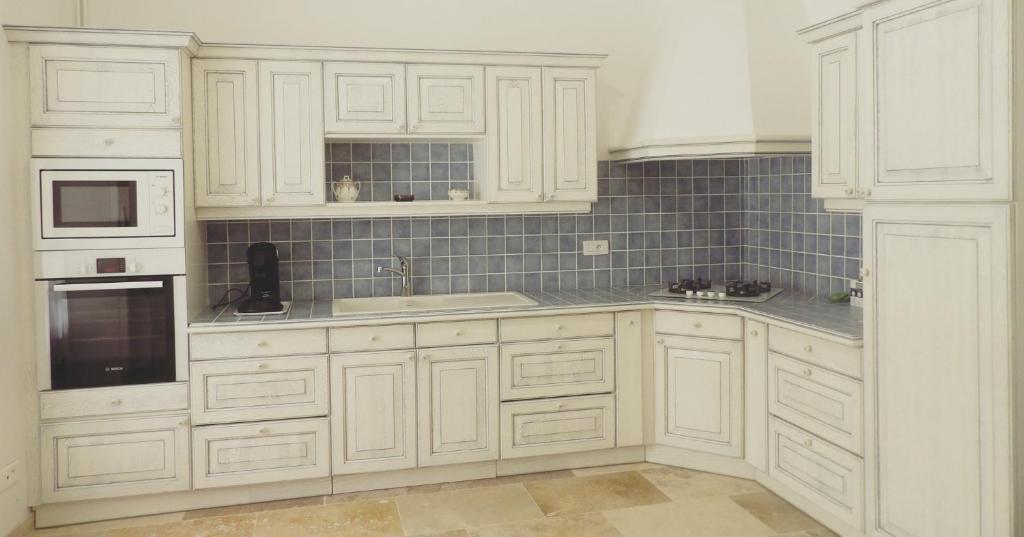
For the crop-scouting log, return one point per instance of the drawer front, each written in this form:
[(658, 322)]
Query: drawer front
[(456, 333), (827, 354), (827, 475), (114, 458), (229, 455), (67, 404), (558, 327), (822, 402), (557, 368), (258, 343), (138, 143), (713, 325), (373, 338), (228, 391), (548, 427), (83, 86)]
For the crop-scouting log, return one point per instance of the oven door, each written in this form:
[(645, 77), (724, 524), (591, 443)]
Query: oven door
[(111, 331)]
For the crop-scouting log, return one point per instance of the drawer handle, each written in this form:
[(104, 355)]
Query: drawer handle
[(808, 372), (697, 324), (108, 142), (265, 430), (808, 443), (753, 333), (808, 348), (116, 402), (262, 343), (262, 366)]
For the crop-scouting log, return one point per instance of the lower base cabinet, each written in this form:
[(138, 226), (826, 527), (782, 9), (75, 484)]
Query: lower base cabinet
[(117, 457), (266, 452), (553, 426)]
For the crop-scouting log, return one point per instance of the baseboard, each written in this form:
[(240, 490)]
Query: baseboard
[(704, 462), (24, 528), (587, 459), (412, 477), (812, 510), (61, 514)]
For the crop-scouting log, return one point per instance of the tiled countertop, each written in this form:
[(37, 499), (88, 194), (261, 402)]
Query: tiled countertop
[(793, 307)]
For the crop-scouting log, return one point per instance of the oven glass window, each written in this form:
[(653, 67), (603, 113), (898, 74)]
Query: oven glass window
[(95, 204), (111, 332)]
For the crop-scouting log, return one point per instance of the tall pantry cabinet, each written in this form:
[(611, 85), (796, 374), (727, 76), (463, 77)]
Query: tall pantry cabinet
[(934, 155)]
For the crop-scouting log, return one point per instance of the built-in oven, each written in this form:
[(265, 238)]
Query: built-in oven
[(107, 203), (111, 318)]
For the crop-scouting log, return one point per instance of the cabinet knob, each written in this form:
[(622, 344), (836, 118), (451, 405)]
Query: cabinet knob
[(262, 366), (808, 348), (864, 272), (265, 430), (632, 323), (411, 356), (183, 423), (116, 402), (271, 199), (697, 324), (108, 142), (425, 356), (558, 347), (661, 342), (808, 443), (807, 372), (262, 343), (558, 327), (374, 338), (459, 333), (561, 406), (865, 192), (254, 201), (540, 197), (849, 191), (753, 333)]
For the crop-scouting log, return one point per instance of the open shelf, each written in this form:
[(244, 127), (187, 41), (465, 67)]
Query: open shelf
[(390, 208)]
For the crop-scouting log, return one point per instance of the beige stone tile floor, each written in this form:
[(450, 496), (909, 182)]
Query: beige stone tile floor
[(631, 500)]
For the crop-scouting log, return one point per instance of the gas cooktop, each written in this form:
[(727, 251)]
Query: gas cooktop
[(733, 291)]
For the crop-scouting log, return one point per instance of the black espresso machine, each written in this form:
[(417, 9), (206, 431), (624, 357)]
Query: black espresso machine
[(264, 281)]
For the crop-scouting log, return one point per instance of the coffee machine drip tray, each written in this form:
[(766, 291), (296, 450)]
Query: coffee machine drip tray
[(285, 306)]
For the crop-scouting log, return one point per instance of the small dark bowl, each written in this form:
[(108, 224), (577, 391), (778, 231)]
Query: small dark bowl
[(404, 197)]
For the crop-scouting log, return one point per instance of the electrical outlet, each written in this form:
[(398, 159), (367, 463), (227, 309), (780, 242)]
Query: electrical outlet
[(595, 247), (10, 475)]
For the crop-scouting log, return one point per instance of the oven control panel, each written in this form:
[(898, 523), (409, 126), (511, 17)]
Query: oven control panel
[(110, 265), (161, 203), (91, 263)]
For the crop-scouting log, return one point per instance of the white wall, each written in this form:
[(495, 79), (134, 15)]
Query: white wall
[(676, 68), (17, 373)]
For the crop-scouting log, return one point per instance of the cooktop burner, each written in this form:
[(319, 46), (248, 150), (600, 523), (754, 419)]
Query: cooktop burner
[(701, 289)]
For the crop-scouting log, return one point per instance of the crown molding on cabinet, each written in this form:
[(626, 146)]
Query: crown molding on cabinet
[(841, 24), (103, 37), (724, 146)]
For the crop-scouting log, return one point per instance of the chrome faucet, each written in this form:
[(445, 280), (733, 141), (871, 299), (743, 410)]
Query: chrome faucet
[(405, 271)]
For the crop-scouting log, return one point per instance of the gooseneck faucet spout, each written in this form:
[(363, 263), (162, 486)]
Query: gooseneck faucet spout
[(404, 271)]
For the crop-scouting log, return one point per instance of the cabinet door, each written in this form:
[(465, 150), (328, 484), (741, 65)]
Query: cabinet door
[(834, 127), (937, 79), (755, 367), (514, 139), (83, 86), (458, 404), (698, 394), (373, 417), (364, 98), (570, 135), (291, 133), (937, 371), (226, 124), (111, 458), (446, 99)]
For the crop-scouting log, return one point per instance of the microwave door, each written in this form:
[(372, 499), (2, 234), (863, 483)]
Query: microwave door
[(88, 204)]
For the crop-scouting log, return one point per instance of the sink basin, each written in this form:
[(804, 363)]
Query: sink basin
[(398, 304)]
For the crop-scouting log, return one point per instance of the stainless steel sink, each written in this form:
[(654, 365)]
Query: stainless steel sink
[(398, 304)]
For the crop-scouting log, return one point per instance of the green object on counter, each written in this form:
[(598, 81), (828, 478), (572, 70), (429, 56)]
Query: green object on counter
[(841, 296)]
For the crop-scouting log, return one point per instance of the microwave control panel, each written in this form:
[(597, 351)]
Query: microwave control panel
[(161, 203)]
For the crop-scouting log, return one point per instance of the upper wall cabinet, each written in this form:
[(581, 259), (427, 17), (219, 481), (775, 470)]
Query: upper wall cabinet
[(85, 86), (226, 120), (445, 99), (291, 133), (515, 134), (936, 84), (570, 142), (364, 98)]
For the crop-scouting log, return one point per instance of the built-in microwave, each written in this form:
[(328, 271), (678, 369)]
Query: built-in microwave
[(107, 203)]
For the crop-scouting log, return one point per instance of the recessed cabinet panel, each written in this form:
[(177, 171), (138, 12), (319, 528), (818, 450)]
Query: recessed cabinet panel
[(514, 139), (373, 411), (938, 79), (834, 134), (570, 140), (226, 125), (552, 426), (111, 458), (84, 86), (698, 394), (458, 405), (446, 99), (937, 445), (557, 368), (291, 133), (364, 98)]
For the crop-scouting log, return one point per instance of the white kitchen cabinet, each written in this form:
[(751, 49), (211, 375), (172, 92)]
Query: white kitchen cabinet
[(457, 392), (99, 86), (557, 368), (515, 134), (226, 132), (937, 90), (268, 452), (373, 416), (291, 133), (698, 394), (834, 112), (570, 134), (88, 460), (554, 426), (364, 98), (938, 367), (755, 371), (445, 99)]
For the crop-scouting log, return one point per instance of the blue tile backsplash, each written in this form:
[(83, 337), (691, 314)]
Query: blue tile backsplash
[(664, 220)]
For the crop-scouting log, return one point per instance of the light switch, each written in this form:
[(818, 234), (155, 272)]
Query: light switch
[(595, 247)]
